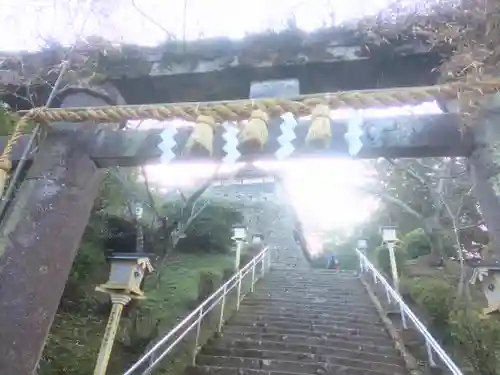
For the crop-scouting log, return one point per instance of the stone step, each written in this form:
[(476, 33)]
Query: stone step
[(338, 324), (367, 361), (296, 274), (304, 328), (326, 305), (307, 298), (262, 287), (313, 271), (329, 303), (284, 365), (350, 286), (310, 310), (304, 278), (286, 288), (336, 297), (249, 340), (211, 370), (340, 334), (311, 315)]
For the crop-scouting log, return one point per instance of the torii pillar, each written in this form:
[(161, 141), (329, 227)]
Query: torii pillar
[(40, 237)]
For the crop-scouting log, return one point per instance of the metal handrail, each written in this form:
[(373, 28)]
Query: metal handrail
[(196, 317), (431, 343)]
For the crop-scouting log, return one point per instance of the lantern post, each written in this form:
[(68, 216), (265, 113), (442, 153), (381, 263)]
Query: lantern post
[(125, 278), (239, 236)]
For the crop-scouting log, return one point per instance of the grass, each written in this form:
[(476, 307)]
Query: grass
[(75, 336), (179, 286)]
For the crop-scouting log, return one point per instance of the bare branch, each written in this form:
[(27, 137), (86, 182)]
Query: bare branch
[(471, 226), (410, 172), (202, 188), (397, 202), (195, 215), (452, 177), (148, 192), (153, 21), (460, 254)]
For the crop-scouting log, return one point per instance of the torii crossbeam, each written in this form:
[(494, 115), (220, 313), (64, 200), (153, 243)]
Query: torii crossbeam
[(409, 136)]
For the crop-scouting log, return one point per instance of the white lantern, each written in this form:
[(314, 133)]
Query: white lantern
[(257, 239), (389, 234), (239, 233)]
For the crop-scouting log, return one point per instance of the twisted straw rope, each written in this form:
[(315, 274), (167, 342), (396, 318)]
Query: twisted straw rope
[(241, 109), (21, 125)]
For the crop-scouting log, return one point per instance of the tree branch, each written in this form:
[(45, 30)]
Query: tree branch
[(148, 192), (397, 202), (170, 36), (470, 226), (194, 215), (410, 172)]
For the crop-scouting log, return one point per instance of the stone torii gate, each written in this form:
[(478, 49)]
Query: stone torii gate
[(42, 232)]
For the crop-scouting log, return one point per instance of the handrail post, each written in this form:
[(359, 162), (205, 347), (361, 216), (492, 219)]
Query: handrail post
[(223, 305), (388, 295), (237, 259), (394, 266), (263, 266), (403, 317), (268, 256), (238, 293), (432, 363), (198, 330), (252, 287)]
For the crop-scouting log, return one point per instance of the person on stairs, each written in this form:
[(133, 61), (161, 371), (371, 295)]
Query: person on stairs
[(333, 262)]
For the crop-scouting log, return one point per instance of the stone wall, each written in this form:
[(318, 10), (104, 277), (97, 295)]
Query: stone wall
[(266, 211)]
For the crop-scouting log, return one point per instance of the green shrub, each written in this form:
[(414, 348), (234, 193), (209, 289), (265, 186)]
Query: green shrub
[(449, 244), (436, 297), (384, 262), (416, 243), (479, 340)]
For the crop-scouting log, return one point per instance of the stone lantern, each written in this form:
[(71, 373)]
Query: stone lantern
[(126, 274)]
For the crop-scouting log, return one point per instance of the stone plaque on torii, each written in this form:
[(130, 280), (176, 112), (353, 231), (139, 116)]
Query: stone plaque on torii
[(51, 209)]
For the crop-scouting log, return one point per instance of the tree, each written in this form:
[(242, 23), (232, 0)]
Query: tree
[(433, 194)]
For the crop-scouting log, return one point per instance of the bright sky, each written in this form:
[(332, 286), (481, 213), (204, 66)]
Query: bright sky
[(38, 20), (323, 191)]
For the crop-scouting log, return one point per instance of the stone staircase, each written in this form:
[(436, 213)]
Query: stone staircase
[(303, 321)]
